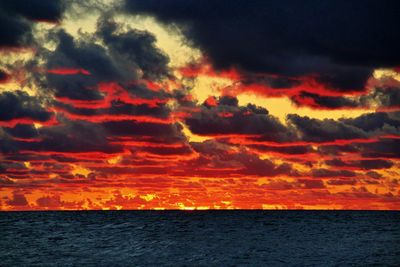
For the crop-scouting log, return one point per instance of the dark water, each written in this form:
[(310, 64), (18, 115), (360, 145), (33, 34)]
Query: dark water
[(201, 238)]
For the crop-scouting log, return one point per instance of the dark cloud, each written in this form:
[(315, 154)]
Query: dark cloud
[(73, 136), (158, 132), (330, 39), (42, 10), (117, 109), (183, 150), (366, 164), (4, 76), (17, 17), (216, 156), (362, 127), (271, 81), (22, 131), (232, 101), (18, 199), (345, 78), (14, 170), (55, 202), (80, 54), (253, 165), (28, 157), (224, 116), (342, 182), (336, 150), (384, 99), (142, 91), (19, 105), (290, 150), (378, 122), (123, 58), (321, 101), (136, 47), (68, 136), (228, 118), (328, 173), (7, 166), (315, 130), (385, 148)]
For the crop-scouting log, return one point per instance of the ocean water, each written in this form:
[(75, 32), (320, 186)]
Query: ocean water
[(200, 238)]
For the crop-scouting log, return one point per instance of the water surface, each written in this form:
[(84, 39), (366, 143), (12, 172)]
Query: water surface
[(200, 238)]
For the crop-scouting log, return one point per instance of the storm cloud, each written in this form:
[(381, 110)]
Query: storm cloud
[(331, 39)]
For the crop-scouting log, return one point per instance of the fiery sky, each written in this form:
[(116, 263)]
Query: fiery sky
[(185, 104)]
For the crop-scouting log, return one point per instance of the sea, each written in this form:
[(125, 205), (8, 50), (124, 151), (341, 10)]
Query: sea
[(200, 238)]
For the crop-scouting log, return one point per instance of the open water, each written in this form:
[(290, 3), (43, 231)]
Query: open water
[(200, 238)]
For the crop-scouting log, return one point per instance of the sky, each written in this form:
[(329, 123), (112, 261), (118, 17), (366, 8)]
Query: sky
[(185, 104)]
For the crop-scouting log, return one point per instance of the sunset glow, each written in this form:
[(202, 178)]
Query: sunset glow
[(126, 105)]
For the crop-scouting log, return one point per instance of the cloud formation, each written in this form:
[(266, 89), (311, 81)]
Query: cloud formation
[(97, 113), (17, 19), (330, 39)]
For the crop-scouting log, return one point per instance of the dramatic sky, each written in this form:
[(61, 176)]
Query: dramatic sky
[(184, 104)]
